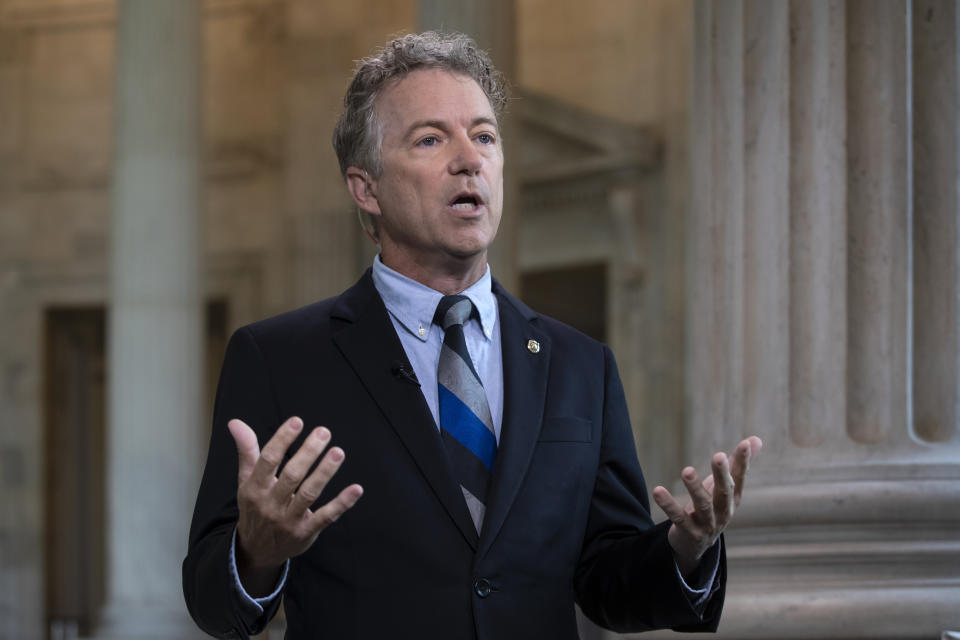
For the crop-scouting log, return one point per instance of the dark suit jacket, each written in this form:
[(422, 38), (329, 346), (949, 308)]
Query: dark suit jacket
[(567, 515)]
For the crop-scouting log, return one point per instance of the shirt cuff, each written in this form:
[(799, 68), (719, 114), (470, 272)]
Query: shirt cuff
[(254, 605), (705, 578)]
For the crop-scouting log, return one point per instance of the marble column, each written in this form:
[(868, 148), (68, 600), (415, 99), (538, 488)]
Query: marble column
[(155, 344), (822, 309), (492, 24)]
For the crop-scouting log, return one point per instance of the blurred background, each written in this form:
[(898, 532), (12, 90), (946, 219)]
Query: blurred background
[(755, 203)]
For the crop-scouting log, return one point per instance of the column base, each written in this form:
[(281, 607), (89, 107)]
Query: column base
[(844, 560), (867, 612)]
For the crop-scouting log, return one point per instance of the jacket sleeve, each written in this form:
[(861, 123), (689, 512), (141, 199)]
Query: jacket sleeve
[(627, 579), (245, 391)]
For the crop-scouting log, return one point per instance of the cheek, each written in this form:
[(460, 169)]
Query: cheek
[(406, 199), (498, 197), (418, 189)]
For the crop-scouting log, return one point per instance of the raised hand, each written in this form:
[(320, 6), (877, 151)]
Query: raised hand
[(276, 522), (712, 503)]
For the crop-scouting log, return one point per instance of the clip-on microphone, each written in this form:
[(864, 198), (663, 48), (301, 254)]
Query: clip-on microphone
[(402, 370)]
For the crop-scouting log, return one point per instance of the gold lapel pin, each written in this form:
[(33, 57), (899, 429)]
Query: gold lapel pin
[(533, 346)]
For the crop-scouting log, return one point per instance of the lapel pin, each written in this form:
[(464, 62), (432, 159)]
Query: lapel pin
[(533, 346)]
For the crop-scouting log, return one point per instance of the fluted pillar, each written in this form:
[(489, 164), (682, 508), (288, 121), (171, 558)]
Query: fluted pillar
[(822, 309), (878, 218), (492, 24), (155, 348), (816, 210), (936, 203)]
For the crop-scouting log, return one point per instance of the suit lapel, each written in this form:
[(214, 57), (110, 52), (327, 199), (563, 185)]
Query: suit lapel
[(525, 392), (370, 344)]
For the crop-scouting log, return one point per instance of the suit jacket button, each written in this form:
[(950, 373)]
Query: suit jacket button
[(482, 587)]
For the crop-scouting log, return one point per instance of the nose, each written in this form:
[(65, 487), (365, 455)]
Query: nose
[(466, 157)]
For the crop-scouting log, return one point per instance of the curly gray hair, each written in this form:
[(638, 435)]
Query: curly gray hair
[(357, 136)]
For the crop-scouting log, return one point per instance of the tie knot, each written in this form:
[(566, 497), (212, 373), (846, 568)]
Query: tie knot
[(452, 310)]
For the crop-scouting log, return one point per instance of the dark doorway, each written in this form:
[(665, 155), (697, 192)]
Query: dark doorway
[(75, 401), (576, 295)]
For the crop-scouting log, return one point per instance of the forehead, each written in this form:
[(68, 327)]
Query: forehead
[(432, 95)]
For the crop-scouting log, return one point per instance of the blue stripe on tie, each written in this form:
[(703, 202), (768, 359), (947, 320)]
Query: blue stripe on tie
[(457, 419)]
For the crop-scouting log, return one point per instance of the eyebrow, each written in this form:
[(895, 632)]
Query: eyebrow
[(442, 125)]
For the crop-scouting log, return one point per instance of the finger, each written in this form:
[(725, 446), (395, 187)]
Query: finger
[(669, 505), (248, 449), (297, 466), (311, 488), (702, 500), (708, 484), (331, 512), (741, 463), (723, 489), (272, 453)]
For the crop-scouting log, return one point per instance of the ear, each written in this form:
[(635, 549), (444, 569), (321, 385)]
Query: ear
[(362, 188)]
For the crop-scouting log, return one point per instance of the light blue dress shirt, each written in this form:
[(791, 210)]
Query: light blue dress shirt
[(412, 305)]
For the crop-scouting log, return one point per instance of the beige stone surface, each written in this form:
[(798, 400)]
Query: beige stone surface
[(758, 256), (626, 45)]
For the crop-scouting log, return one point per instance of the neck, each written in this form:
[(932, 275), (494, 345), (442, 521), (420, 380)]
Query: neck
[(448, 278)]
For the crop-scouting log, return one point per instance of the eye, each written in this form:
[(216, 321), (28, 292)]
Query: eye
[(428, 141), (485, 138)]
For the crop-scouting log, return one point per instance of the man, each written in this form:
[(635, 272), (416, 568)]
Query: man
[(491, 445)]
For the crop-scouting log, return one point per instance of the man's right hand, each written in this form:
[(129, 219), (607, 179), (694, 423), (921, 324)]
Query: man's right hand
[(276, 522)]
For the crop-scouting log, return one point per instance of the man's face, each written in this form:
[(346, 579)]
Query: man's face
[(440, 194)]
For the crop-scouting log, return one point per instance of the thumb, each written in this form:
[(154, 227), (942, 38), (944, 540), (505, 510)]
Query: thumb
[(248, 449)]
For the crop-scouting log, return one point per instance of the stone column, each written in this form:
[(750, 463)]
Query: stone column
[(493, 25), (822, 309), (155, 347)]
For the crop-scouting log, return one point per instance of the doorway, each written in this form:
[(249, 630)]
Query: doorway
[(75, 403), (75, 414)]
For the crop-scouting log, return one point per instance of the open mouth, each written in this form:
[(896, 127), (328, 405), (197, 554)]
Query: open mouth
[(465, 202)]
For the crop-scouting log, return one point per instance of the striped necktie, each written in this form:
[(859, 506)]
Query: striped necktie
[(465, 421)]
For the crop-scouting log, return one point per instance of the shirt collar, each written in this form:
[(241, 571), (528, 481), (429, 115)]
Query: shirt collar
[(413, 304)]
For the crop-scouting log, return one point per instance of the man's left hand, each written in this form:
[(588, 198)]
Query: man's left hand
[(697, 526)]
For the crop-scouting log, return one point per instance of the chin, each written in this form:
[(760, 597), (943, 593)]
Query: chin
[(472, 248), (466, 247), (464, 253)]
